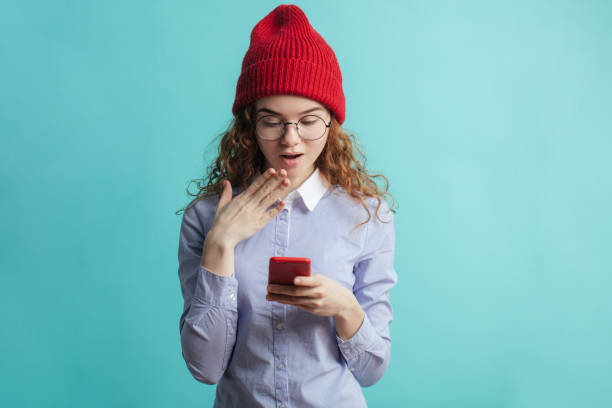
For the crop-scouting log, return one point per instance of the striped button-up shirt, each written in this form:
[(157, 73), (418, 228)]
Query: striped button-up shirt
[(268, 354)]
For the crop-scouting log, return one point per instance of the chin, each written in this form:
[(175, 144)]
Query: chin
[(295, 171)]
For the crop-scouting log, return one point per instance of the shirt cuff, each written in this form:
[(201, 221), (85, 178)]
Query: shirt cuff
[(361, 341), (216, 290)]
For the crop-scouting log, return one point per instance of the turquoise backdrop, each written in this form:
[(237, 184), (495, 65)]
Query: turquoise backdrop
[(491, 119)]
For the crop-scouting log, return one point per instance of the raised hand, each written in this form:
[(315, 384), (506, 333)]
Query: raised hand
[(238, 218)]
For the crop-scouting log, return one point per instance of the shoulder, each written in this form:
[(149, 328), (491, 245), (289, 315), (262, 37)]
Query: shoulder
[(200, 212)]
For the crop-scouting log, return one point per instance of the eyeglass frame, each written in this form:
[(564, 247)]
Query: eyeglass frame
[(327, 126)]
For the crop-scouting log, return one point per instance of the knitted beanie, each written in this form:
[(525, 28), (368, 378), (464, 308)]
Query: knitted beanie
[(287, 56)]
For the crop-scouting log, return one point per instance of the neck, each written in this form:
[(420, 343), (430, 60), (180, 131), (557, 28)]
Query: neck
[(297, 181)]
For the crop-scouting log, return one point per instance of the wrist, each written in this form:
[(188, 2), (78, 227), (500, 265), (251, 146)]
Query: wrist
[(217, 256), (351, 311), (349, 320), (215, 239)]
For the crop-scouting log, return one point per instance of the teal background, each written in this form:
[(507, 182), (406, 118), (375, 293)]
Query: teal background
[(490, 119)]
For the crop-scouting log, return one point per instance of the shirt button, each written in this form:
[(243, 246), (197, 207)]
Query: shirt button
[(281, 365), (231, 331), (281, 251), (279, 326)]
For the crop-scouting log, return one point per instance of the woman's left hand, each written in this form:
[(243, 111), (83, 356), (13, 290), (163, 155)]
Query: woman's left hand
[(322, 296), (316, 294)]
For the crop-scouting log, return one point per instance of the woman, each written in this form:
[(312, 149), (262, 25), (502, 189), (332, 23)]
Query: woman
[(287, 183)]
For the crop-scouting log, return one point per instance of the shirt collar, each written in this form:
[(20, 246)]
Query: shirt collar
[(311, 190)]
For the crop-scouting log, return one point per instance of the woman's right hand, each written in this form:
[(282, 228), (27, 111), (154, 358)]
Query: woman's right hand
[(238, 218)]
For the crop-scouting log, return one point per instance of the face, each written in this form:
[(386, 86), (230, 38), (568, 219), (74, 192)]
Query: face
[(291, 108)]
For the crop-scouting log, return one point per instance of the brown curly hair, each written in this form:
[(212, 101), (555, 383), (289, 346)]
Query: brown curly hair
[(239, 158)]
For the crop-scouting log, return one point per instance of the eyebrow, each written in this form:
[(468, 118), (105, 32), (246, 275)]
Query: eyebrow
[(276, 113)]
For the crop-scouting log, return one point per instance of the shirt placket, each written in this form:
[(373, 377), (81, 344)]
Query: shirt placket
[(280, 342)]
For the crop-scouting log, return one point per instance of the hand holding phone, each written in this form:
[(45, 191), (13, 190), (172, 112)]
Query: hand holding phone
[(284, 269)]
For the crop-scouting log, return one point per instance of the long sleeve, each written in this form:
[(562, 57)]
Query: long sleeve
[(368, 351), (208, 323)]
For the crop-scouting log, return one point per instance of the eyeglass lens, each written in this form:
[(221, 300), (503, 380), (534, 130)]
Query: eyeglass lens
[(310, 127)]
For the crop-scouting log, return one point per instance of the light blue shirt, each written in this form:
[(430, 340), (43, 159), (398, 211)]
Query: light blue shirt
[(267, 354)]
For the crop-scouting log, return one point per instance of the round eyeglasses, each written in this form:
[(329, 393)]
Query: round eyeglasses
[(309, 127)]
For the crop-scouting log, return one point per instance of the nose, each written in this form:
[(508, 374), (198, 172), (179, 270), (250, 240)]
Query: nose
[(291, 136)]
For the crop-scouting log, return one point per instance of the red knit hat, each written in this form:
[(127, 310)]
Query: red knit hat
[(287, 56)]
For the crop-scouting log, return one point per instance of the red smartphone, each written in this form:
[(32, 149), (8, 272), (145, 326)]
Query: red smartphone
[(284, 268)]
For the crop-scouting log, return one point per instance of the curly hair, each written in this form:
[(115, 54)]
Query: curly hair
[(341, 162)]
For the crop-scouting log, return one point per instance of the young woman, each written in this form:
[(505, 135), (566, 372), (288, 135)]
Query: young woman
[(287, 183)]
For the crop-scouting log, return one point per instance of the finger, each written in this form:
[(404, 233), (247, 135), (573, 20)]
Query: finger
[(259, 182), (289, 300), (307, 306), (292, 290), (311, 281), (226, 195), (276, 210), (272, 191)]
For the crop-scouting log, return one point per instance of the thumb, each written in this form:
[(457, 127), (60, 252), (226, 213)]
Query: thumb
[(306, 280), (226, 195)]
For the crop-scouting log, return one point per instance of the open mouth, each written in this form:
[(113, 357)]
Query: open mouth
[(291, 160)]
